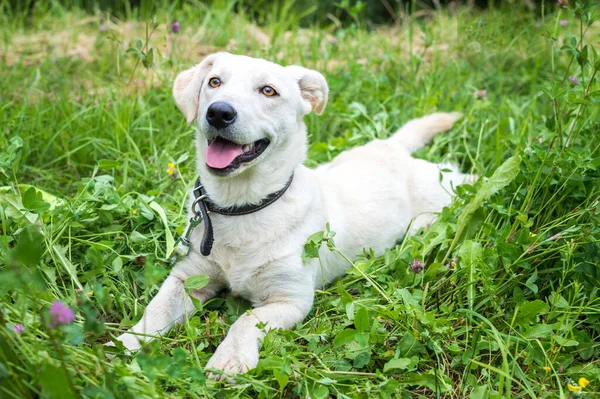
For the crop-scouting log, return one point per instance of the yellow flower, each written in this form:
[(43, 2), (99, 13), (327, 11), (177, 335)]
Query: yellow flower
[(546, 369), (532, 234), (171, 168), (574, 388), (133, 211), (583, 382)]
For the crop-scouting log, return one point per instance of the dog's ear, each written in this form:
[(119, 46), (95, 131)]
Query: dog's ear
[(187, 86), (313, 87)]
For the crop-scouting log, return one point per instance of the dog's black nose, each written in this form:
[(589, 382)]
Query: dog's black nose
[(220, 114)]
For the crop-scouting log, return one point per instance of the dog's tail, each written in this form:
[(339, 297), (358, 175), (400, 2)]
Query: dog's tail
[(417, 133)]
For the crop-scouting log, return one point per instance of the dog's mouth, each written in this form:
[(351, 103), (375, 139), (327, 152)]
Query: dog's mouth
[(224, 156)]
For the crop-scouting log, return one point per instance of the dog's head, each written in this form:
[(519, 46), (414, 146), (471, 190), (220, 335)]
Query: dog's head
[(248, 110)]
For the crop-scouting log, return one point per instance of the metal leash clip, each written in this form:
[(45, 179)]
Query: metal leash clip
[(184, 245)]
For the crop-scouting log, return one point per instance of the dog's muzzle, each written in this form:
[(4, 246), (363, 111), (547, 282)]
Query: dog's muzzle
[(226, 151)]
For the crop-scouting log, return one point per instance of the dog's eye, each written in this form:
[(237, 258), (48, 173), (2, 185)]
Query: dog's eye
[(214, 82), (269, 91)]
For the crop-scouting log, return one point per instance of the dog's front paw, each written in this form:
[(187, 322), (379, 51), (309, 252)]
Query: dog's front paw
[(129, 341), (233, 358)]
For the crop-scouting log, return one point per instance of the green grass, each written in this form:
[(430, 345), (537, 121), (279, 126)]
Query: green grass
[(507, 307)]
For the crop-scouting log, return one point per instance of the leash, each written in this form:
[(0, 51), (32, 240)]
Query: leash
[(202, 206)]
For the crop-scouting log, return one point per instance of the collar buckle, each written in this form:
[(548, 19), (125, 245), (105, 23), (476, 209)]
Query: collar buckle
[(195, 205)]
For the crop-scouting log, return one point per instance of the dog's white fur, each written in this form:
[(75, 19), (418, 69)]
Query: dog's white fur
[(369, 195)]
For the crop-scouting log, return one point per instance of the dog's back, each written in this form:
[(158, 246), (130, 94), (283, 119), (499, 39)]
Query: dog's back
[(380, 189)]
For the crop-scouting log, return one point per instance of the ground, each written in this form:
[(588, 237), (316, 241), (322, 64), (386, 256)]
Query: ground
[(498, 298)]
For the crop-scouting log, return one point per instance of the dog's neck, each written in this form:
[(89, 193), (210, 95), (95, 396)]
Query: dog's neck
[(253, 185), (245, 189)]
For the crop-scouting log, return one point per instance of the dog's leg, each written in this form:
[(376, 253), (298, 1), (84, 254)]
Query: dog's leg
[(288, 294), (428, 195), (238, 353), (172, 304), (417, 133)]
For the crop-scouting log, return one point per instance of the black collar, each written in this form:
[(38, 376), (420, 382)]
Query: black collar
[(203, 205)]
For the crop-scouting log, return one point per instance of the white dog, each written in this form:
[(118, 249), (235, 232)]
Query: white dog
[(251, 146)]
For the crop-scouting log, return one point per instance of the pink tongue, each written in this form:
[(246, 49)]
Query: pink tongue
[(221, 153)]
